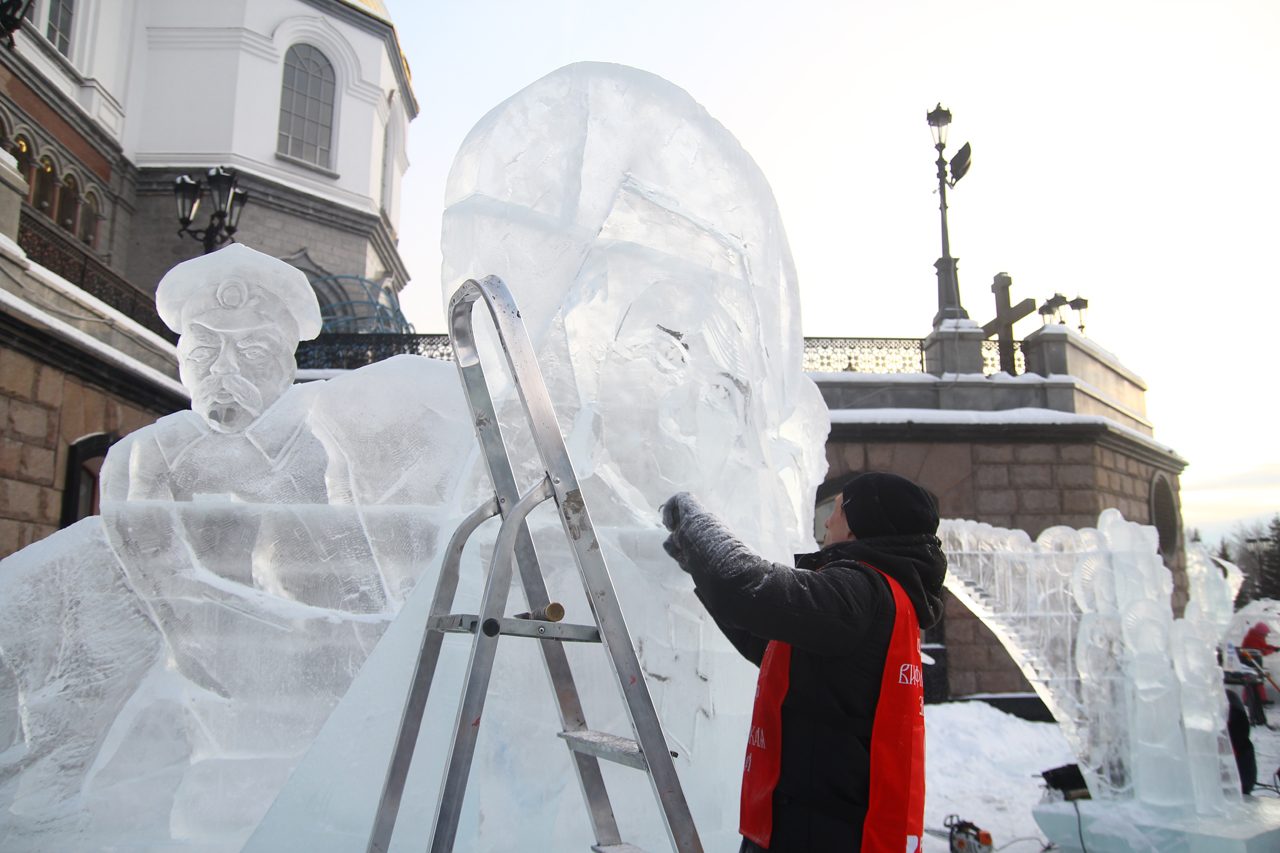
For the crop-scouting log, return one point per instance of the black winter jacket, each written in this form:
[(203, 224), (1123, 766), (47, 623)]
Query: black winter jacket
[(838, 616)]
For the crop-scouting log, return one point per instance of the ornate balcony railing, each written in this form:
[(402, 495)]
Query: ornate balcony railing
[(821, 355), (863, 355), (62, 254), (347, 351), (991, 357)]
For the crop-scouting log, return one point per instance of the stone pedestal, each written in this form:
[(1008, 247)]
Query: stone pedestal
[(1252, 827), (954, 347)]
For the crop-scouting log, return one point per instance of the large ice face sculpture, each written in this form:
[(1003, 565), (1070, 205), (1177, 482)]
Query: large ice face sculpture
[(165, 666), (647, 254), (1086, 614), (648, 257)]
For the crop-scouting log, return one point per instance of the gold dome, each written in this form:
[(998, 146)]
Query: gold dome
[(373, 7)]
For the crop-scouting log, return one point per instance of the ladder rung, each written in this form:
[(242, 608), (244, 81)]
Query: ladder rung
[(465, 623), (621, 750), (616, 848)]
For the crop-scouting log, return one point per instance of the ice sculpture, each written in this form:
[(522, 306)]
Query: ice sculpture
[(650, 265), (1086, 614), (164, 667), (649, 260), (252, 552)]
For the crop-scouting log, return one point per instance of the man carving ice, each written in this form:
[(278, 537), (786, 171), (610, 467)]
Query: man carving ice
[(240, 314), (835, 756)]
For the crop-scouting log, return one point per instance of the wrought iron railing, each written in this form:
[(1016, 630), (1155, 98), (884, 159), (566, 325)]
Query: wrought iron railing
[(991, 357), (62, 254), (821, 355), (347, 351)]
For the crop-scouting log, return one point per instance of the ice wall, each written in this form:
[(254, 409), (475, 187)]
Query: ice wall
[(1086, 615)]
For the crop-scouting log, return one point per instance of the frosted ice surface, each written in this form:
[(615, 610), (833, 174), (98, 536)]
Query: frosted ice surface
[(1086, 614)]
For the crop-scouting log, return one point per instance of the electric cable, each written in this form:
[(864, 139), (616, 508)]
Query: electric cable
[(1079, 827)]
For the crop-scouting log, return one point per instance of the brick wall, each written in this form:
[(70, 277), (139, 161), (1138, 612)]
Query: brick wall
[(42, 411)]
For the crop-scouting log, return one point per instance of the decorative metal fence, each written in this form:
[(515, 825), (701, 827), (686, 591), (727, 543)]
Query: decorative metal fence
[(347, 351), (863, 355), (991, 357), (821, 355), (60, 253)]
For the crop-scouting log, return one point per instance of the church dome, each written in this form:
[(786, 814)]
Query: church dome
[(373, 7)]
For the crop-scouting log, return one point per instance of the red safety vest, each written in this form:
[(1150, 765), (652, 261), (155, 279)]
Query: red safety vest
[(895, 811)]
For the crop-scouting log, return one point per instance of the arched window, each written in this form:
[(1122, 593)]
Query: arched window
[(1164, 515), (80, 494), (59, 29), (89, 217), (306, 106), (20, 148), (68, 202), (44, 188)]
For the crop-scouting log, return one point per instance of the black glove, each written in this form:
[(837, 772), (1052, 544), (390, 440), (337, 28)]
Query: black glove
[(678, 508)]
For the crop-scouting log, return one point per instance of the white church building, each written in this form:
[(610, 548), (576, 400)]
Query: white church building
[(103, 105)]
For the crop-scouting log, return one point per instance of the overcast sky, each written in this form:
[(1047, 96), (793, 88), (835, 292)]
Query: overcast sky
[(1124, 150)]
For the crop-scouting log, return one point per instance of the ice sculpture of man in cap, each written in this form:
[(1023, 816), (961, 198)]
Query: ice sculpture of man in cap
[(239, 314)]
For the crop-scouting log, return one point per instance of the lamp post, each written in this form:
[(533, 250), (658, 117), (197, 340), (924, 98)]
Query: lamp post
[(1080, 305), (228, 203), (949, 307)]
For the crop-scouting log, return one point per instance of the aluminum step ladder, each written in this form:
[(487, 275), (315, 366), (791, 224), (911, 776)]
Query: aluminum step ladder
[(647, 751)]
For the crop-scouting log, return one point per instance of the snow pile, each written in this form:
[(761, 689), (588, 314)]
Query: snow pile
[(983, 765)]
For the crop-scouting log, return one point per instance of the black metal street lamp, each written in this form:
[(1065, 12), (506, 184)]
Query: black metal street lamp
[(1079, 305), (949, 307), (1051, 310), (228, 203)]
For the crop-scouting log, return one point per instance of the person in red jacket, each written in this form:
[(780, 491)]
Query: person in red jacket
[(835, 754), (1255, 640)]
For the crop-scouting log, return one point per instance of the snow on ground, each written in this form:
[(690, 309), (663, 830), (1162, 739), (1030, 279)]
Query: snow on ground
[(983, 765)]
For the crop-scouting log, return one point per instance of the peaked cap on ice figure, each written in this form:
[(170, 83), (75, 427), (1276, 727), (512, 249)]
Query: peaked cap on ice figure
[(236, 288)]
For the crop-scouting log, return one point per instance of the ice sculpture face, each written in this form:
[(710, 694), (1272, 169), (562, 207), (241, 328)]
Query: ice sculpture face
[(234, 373), (239, 314), (673, 402), (648, 256)]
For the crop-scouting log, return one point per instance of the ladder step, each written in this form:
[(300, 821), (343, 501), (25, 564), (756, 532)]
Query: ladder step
[(620, 750), (616, 848), (465, 623)]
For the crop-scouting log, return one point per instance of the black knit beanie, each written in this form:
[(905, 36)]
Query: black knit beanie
[(878, 504)]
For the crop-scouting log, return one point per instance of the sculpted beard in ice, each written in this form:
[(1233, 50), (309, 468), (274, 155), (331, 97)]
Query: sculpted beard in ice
[(228, 401)]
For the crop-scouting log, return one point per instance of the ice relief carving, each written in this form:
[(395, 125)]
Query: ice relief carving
[(1086, 614)]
